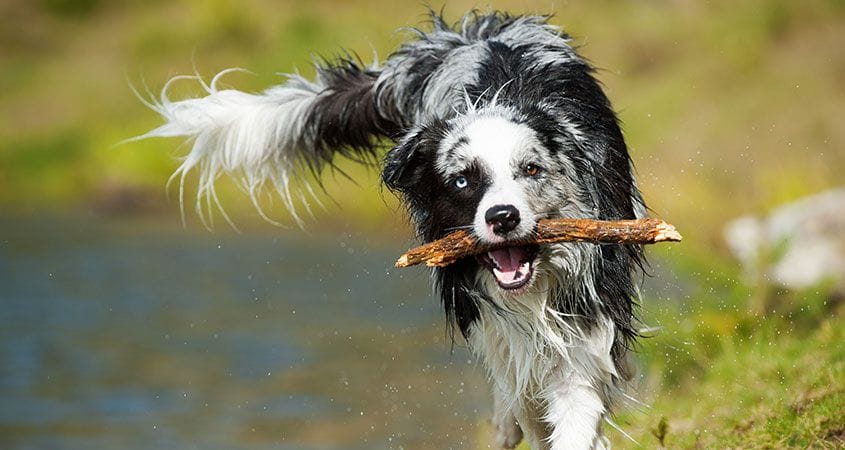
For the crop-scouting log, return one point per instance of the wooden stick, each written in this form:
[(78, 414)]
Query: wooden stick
[(462, 243)]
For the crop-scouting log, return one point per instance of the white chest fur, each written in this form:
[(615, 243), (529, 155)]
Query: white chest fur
[(552, 376)]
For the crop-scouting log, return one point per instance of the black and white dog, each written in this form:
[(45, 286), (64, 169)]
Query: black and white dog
[(498, 123)]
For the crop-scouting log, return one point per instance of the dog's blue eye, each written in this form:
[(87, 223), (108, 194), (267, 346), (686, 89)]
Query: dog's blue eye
[(461, 182)]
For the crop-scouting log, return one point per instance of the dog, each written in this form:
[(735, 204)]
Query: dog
[(498, 123)]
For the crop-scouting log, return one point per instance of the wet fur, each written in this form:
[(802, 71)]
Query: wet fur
[(556, 353)]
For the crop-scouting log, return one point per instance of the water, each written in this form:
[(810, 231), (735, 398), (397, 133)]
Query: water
[(137, 334), (122, 334)]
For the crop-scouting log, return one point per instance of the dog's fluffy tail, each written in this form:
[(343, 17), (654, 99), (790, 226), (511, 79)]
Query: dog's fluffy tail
[(273, 137)]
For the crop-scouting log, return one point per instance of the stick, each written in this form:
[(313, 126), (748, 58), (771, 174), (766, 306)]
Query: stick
[(462, 243)]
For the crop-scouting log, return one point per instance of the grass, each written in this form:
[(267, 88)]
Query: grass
[(773, 383), (741, 366)]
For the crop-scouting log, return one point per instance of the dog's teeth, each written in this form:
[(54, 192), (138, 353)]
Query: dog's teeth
[(493, 260)]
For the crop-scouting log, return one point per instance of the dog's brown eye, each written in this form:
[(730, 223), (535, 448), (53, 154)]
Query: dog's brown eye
[(532, 170)]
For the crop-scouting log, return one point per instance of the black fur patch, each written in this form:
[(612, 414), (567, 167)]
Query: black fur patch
[(345, 118), (438, 207)]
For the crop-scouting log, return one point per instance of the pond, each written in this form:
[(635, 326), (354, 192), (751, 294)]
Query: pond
[(137, 334)]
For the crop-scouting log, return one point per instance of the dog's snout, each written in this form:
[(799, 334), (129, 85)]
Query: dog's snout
[(502, 218)]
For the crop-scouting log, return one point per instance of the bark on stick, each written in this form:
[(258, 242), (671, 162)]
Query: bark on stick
[(462, 243)]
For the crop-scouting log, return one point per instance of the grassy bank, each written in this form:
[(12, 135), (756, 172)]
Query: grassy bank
[(719, 379)]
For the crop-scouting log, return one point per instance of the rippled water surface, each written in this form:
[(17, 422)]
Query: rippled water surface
[(118, 334), (135, 334)]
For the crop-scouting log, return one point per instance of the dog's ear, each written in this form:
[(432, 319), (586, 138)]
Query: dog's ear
[(405, 164), (398, 164)]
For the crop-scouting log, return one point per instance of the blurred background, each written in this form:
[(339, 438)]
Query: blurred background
[(122, 328)]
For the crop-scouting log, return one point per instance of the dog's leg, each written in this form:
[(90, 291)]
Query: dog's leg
[(575, 410), (508, 431), (532, 422)]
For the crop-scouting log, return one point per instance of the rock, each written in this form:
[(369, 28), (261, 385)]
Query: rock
[(798, 245)]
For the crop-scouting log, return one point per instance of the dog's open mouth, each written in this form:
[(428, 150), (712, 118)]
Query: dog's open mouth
[(512, 267)]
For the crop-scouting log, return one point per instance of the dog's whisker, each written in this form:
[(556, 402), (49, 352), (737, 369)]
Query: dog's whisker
[(459, 227)]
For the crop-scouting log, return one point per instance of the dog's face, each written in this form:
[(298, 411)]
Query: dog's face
[(494, 172)]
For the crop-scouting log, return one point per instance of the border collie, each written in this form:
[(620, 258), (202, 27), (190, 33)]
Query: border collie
[(497, 123)]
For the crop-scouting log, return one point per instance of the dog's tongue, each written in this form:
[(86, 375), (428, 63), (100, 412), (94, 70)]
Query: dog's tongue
[(510, 266)]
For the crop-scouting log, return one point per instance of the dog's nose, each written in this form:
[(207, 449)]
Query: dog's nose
[(502, 218)]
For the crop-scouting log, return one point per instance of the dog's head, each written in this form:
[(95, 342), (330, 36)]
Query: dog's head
[(497, 170), (494, 171)]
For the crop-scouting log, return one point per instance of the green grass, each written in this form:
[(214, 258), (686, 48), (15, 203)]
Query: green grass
[(774, 392), (728, 380)]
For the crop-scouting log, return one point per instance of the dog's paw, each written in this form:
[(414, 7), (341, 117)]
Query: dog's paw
[(508, 433)]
